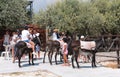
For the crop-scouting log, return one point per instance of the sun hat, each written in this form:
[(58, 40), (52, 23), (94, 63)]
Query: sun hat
[(55, 30)]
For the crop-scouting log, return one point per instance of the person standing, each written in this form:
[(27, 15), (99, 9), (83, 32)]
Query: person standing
[(65, 52), (6, 38), (6, 43), (15, 38), (37, 42)]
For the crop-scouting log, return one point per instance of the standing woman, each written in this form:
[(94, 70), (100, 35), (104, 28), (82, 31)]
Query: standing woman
[(6, 42), (13, 42), (6, 38)]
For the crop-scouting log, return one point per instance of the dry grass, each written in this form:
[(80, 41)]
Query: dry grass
[(110, 64)]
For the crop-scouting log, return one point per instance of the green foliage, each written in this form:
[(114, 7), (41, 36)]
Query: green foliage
[(89, 18), (12, 13)]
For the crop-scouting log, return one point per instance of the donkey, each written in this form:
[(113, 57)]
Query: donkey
[(20, 49), (76, 47), (51, 46)]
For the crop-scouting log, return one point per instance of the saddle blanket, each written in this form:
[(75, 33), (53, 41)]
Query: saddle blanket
[(88, 45)]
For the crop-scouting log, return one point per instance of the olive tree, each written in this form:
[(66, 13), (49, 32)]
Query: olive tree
[(12, 13)]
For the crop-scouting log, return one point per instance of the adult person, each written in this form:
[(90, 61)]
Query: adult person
[(14, 40), (6, 39), (82, 38), (55, 35), (37, 42), (6, 42), (25, 36)]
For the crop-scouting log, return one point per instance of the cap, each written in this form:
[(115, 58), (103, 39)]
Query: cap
[(82, 36)]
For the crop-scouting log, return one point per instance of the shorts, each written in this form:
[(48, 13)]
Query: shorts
[(26, 41), (37, 48)]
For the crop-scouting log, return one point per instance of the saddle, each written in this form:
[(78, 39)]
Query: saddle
[(88, 45)]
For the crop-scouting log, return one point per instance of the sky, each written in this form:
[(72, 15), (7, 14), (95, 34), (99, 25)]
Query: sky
[(41, 4)]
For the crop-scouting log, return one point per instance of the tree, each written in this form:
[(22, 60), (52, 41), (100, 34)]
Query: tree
[(89, 18), (110, 9), (12, 13)]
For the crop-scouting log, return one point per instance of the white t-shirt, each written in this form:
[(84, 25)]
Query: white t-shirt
[(14, 37), (25, 34), (54, 36)]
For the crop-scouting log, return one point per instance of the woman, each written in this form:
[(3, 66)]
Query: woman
[(6, 38), (13, 42)]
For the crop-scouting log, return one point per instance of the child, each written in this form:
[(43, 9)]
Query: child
[(65, 52)]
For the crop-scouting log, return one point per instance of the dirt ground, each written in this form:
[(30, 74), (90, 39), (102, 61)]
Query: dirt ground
[(107, 61), (39, 73)]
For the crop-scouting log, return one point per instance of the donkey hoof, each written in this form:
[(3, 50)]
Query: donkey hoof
[(73, 66), (19, 66), (29, 63)]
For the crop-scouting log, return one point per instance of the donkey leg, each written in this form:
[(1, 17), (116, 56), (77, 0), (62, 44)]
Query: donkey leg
[(56, 58), (61, 57), (19, 58), (76, 59), (56, 55), (44, 57), (72, 59), (30, 58), (49, 57), (46, 50), (94, 60)]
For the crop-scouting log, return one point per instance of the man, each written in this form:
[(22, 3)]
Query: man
[(55, 35)]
